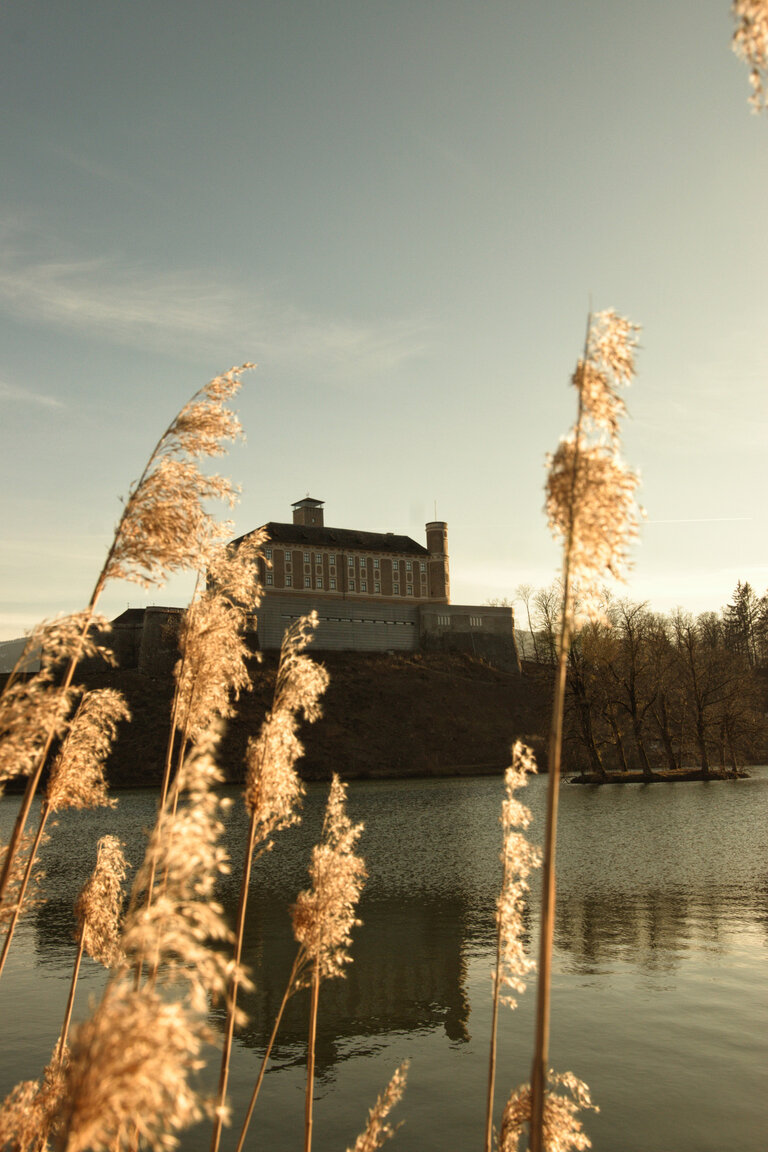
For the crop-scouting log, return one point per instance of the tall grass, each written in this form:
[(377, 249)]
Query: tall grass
[(126, 1078)]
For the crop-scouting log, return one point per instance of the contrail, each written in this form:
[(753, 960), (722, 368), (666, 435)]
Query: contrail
[(702, 520)]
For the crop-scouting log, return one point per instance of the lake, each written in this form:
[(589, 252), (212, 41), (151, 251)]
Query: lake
[(660, 989)]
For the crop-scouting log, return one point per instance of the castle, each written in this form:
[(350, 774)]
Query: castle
[(306, 558), (372, 591)]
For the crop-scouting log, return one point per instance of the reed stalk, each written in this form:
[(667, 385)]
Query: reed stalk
[(226, 1053), (272, 793), (554, 757), (494, 1031), (315, 996), (590, 503), (290, 988), (71, 998)]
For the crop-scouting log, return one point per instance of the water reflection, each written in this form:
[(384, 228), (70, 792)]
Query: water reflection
[(663, 895), (651, 931), (408, 973)]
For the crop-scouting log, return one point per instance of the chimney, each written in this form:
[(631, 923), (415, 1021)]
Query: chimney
[(308, 512)]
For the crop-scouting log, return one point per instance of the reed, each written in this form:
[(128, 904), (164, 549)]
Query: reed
[(378, 1129), (323, 918), (750, 43), (165, 527), (592, 511), (518, 859), (324, 915), (77, 776), (97, 912), (213, 667), (127, 1078), (273, 791)]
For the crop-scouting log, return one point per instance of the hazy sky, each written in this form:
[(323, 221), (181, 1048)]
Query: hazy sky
[(401, 211)]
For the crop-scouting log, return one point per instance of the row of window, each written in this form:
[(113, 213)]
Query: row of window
[(376, 562), (351, 586), (474, 621)]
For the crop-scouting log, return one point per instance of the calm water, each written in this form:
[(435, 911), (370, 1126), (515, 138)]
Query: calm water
[(660, 996)]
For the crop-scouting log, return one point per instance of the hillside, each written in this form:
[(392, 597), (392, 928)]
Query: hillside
[(409, 714)]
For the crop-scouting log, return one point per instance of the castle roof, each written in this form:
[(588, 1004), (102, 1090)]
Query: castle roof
[(345, 539)]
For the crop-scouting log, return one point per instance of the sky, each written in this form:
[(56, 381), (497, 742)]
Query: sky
[(402, 211)]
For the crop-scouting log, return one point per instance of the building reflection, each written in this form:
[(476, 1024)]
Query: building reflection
[(409, 973), (650, 929)]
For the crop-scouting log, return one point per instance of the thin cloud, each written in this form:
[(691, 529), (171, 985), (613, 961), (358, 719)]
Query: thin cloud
[(133, 304), (11, 393)]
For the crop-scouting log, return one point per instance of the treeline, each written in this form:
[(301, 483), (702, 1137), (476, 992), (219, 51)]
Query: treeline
[(649, 691)]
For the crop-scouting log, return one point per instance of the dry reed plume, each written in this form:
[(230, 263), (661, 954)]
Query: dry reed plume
[(591, 508), (99, 905), (324, 915), (97, 912), (32, 709), (323, 918), (128, 1078), (164, 527), (518, 858), (129, 1072), (272, 786), (562, 1130), (378, 1130), (11, 908), (212, 670), (76, 779), (77, 775), (750, 43), (27, 1113)]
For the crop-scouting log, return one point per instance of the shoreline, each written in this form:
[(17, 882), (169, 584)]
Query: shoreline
[(682, 776)]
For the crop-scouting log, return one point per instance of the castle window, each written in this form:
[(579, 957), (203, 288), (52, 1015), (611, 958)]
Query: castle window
[(376, 563), (408, 566), (396, 589), (268, 553), (409, 589), (332, 585), (423, 566), (269, 578), (288, 580), (363, 586), (351, 561), (307, 582), (444, 621), (475, 621), (351, 585), (377, 587), (319, 582), (332, 559), (306, 557)]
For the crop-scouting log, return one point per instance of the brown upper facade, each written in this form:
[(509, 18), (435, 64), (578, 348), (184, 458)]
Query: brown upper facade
[(307, 557)]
